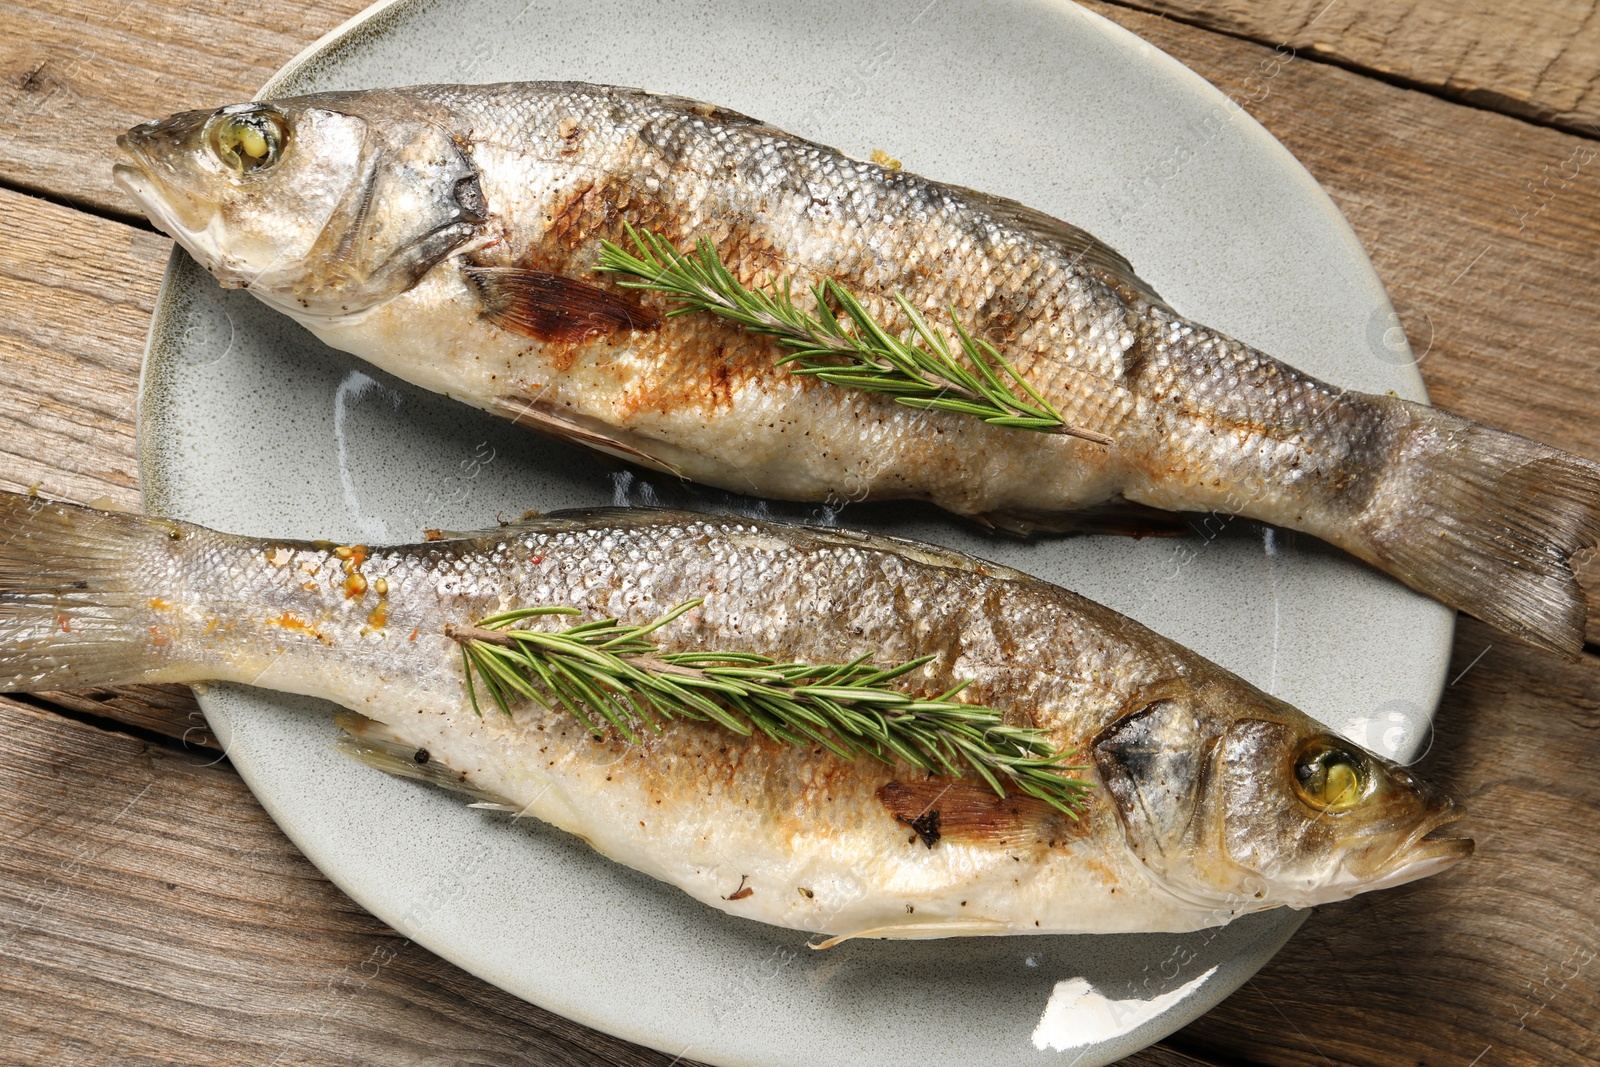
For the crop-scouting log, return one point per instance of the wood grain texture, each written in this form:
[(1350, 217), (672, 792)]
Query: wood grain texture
[(151, 913), (78, 292), (75, 73), (168, 710), (1539, 59)]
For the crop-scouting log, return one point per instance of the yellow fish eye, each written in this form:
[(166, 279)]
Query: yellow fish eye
[(1330, 777), (249, 141)]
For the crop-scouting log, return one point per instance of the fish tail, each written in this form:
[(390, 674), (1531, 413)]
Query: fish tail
[(1487, 522), (70, 612)]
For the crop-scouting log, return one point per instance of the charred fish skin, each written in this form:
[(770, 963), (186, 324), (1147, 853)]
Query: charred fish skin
[(1210, 799), (449, 234)]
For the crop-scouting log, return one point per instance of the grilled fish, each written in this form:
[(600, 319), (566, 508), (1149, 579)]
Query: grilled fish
[(1208, 798), (449, 234)]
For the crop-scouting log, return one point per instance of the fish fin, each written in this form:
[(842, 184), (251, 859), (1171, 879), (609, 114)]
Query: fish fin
[(937, 809), (378, 746), (1123, 518), (1093, 254), (576, 430), (551, 307), (74, 611), (1487, 522), (921, 931), (432, 534), (711, 114)]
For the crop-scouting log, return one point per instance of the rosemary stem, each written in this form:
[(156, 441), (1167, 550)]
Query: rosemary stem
[(477, 633), (608, 670)]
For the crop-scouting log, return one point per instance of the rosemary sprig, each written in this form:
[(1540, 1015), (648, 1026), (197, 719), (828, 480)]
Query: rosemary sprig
[(606, 669), (919, 370)]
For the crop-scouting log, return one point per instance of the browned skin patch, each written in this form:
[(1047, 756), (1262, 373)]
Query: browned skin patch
[(971, 812), (703, 361)]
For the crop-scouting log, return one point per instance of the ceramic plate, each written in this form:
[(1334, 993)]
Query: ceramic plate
[(247, 424)]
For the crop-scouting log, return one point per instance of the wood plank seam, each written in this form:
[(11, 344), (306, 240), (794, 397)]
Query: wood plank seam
[(1478, 100), (132, 219), (74, 705)]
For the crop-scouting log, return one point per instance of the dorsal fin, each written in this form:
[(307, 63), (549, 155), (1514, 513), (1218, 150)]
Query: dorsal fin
[(1093, 254), (552, 307)]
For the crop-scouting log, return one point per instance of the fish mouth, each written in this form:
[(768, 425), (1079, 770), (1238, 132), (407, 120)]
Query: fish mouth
[(1421, 854), (168, 207), (135, 181), (131, 173), (134, 173)]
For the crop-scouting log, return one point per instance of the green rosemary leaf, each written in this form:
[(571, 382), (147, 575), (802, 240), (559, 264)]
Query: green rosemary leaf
[(640, 631), (604, 670), (840, 342), (496, 621), (466, 670)]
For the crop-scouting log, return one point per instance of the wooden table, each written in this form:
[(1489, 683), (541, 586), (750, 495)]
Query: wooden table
[(150, 912)]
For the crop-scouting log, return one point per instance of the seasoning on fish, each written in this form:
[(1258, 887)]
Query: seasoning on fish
[(451, 234), (1205, 798)]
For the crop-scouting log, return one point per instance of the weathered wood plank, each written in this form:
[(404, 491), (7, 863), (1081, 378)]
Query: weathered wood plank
[(1534, 58), (169, 710), (1165, 1056), (1496, 957), (78, 292), (150, 912), (75, 73)]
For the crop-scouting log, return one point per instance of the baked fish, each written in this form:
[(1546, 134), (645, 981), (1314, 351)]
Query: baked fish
[(450, 235), (1206, 797)]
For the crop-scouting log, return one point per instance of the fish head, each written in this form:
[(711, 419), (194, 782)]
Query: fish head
[(1268, 808), (323, 206)]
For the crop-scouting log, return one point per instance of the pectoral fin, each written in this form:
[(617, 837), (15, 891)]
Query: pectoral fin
[(371, 742), (551, 307), (956, 809), (921, 931)]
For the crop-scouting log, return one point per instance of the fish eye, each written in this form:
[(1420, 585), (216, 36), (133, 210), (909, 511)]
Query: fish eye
[(1330, 777), (249, 141)]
